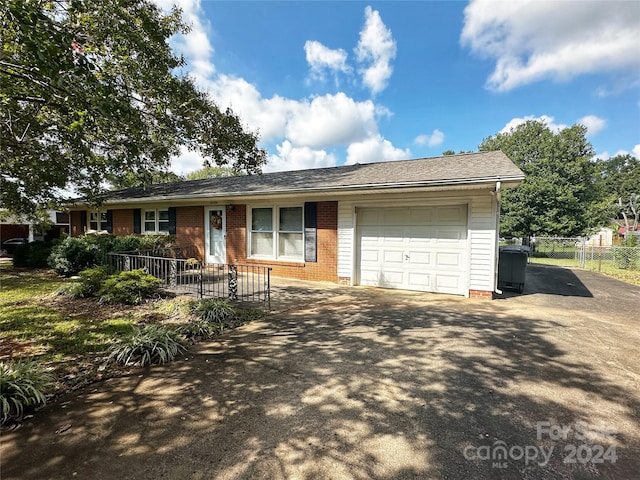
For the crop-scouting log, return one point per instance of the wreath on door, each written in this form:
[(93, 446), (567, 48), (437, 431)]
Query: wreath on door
[(216, 221)]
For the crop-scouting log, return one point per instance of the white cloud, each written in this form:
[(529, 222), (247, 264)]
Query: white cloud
[(187, 162), (375, 149), (546, 119), (532, 40), (318, 122), (594, 124), (433, 140), (195, 45), (635, 151), (292, 158), (375, 51), (322, 59), (307, 128), (331, 120)]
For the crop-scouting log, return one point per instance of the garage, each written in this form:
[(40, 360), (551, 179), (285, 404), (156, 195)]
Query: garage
[(413, 248)]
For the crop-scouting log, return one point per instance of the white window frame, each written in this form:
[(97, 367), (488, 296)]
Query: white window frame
[(275, 218), (156, 221), (99, 218)]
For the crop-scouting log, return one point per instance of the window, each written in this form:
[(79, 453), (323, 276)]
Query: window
[(262, 232), (290, 232), (156, 221), (284, 242), (97, 221)]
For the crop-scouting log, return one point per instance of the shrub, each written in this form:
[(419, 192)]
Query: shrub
[(92, 279), (151, 345), (89, 285), (130, 287), (22, 387), (32, 255), (74, 254)]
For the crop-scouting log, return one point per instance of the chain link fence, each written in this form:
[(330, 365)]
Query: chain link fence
[(581, 252)]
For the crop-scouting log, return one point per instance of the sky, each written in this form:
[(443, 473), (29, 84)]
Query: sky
[(334, 83)]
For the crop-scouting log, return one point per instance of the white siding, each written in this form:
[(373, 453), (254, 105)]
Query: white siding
[(345, 240), (482, 238), (483, 247)]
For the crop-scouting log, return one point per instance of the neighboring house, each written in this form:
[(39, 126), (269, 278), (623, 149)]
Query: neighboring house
[(429, 224), (602, 238), (12, 226)]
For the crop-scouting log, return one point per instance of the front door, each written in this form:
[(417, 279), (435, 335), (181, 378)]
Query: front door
[(215, 236)]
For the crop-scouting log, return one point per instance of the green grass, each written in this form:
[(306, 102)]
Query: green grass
[(607, 267), (33, 315), (71, 337)]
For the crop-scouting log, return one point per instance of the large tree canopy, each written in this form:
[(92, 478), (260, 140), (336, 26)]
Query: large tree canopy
[(90, 89), (559, 194)]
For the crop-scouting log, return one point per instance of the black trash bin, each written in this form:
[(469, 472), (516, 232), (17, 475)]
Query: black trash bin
[(512, 267)]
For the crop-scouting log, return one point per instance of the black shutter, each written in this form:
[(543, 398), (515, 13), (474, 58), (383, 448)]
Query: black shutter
[(310, 232), (83, 222), (172, 220), (109, 226), (137, 220)]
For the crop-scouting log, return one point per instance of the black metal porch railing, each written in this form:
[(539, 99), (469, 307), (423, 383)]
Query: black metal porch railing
[(242, 283)]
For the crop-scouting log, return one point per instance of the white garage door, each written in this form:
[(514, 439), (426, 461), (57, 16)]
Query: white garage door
[(413, 248)]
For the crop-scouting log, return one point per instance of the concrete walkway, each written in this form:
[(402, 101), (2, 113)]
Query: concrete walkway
[(359, 383)]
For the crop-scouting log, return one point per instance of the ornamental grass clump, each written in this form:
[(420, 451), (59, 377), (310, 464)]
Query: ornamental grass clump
[(150, 345), (200, 329), (214, 310), (22, 388)]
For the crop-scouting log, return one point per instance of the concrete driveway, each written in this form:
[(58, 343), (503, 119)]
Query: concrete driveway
[(358, 383)]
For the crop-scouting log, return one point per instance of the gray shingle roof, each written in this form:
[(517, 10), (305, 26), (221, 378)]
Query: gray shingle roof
[(447, 170)]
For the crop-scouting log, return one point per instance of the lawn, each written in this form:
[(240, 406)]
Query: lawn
[(605, 267), (70, 336)]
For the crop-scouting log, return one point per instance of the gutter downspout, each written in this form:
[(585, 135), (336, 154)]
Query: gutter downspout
[(497, 230)]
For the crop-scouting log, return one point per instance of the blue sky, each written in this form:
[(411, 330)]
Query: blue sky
[(329, 83)]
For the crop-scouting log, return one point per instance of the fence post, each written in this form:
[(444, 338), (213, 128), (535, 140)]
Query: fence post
[(269, 289), (600, 254), (200, 281), (233, 282), (173, 273)]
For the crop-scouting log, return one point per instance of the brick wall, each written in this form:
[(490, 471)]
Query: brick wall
[(190, 230), (325, 269), (237, 234), (122, 222), (481, 294)]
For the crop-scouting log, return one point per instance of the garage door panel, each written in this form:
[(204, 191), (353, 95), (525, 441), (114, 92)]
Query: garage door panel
[(455, 215), (447, 283), (393, 257), (368, 216), (419, 258), (415, 248), (420, 216), (370, 255), (420, 281), (448, 259), (443, 235)]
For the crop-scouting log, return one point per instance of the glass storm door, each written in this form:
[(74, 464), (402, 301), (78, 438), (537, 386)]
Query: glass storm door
[(216, 233)]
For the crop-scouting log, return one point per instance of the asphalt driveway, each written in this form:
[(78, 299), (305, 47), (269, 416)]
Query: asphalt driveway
[(359, 383)]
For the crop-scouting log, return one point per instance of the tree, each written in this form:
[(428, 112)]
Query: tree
[(141, 179), (558, 195), (91, 90), (619, 184), (211, 172)]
